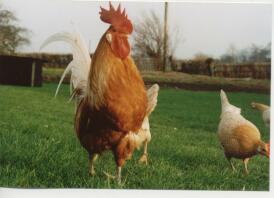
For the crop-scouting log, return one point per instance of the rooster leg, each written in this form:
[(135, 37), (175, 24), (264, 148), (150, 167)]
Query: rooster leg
[(245, 163), (119, 170), (119, 163), (143, 159), (92, 160)]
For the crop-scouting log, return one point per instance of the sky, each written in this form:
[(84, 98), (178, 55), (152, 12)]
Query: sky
[(208, 28)]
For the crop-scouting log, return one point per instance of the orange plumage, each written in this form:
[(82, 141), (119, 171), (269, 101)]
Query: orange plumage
[(112, 104), (116, 101)]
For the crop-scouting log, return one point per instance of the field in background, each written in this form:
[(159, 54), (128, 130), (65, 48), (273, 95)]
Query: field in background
[(40, 150), (185, 81)]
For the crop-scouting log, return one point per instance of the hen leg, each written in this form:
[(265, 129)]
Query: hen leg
[(143, 159), (245, 163), (92, 159), (230, 162)]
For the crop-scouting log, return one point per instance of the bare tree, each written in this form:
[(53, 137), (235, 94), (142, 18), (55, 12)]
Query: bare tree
[(149, 39), (259, 53), (12, 36), (251, 54)]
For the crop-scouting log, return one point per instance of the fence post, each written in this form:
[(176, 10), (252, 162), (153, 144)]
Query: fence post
[(165, 38), (32, 73)]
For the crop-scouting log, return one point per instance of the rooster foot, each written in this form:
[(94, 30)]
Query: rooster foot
[(92, 160), (109, 176), (143, 159)]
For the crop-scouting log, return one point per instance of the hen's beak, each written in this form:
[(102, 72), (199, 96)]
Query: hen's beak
[(267, 155)]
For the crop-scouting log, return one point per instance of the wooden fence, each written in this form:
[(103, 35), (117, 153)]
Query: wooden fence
[(255, 70), (252, 70), (246, 70)]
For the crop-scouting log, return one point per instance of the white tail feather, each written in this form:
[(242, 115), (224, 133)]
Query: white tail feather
[(62, 78), (80, 64)]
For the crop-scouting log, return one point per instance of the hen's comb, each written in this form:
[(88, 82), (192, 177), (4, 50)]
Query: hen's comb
[(268, 149), (116, 18)]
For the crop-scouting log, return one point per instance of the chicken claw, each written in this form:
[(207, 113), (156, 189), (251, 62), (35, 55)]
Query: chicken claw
[(118, 177), (92, 160), (92, 172), (143, 159), (109, 175)]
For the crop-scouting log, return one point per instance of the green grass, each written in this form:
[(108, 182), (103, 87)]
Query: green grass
[(38, 147), (52, 72)]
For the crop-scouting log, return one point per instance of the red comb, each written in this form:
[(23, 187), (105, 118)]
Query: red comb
[(117, 19)]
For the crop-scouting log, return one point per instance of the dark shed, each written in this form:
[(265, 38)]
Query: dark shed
[(16, 70)]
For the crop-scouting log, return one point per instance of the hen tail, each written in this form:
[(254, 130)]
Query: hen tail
[(143, 133), (79, 66), (152, 94), (224, 99), (226, 106)]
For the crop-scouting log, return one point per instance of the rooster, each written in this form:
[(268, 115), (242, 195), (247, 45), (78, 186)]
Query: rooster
[(239, 137), (112, 104), (265, 110)]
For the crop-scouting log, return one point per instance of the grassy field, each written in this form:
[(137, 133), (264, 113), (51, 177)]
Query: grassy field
[(38, 147)]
